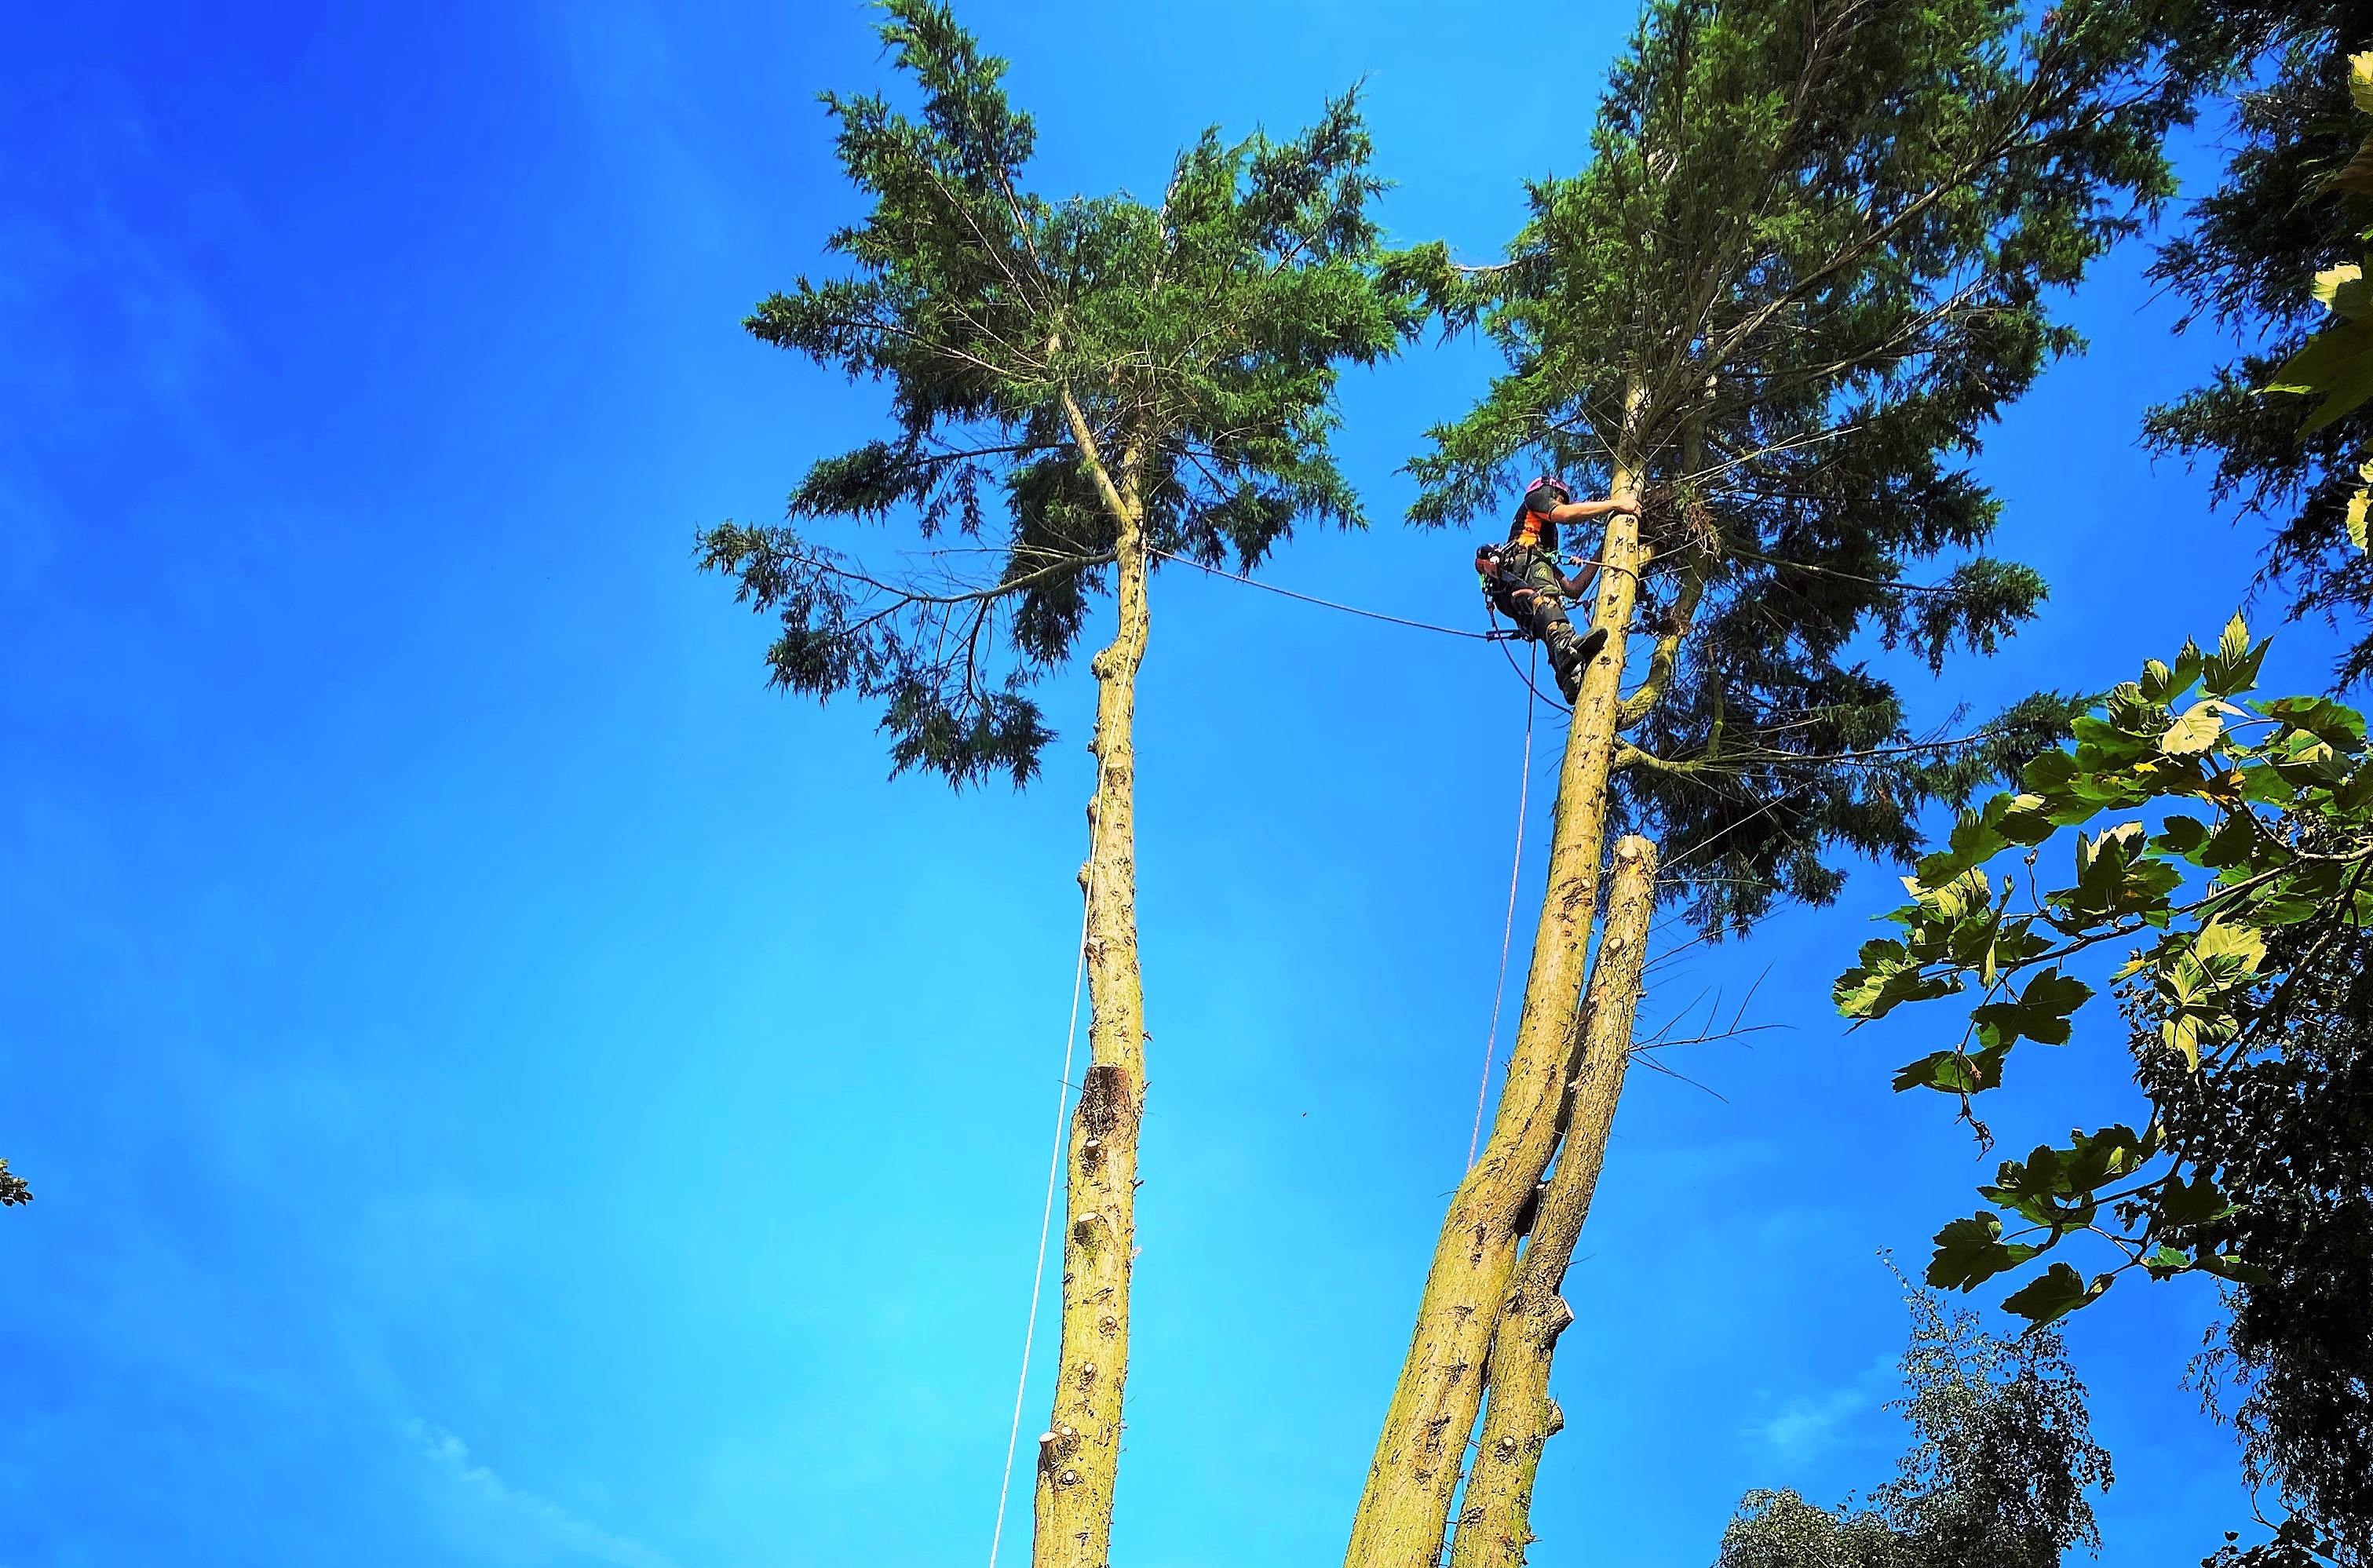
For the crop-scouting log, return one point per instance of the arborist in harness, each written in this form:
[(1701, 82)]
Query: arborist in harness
[(1524, 583)]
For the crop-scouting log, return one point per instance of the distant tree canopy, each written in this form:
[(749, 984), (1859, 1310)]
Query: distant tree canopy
[(1996, 1477), (2288, 211), (1055, 365), (1809, 259)]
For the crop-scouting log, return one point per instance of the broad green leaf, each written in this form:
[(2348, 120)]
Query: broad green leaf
[(1971, 1251), (2338, 727), (2184, 1204), (2360, 81), (2110, 1155), (2231, 671), (1954, 1072), (2201, 727), (2240, 1271), (2361, 498), (2224, 947), (2054, 1294), (2341, 289)]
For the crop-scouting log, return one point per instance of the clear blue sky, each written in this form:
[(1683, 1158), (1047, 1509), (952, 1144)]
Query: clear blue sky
[(502, 1087)]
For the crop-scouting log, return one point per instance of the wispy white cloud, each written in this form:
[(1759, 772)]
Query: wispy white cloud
[(1805, 1427), (554, 1526)]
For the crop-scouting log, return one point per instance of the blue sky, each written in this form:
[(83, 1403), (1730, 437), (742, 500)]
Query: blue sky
[(502, 1087)]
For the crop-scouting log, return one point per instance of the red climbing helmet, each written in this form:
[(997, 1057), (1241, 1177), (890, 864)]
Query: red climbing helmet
[(1545, 493)]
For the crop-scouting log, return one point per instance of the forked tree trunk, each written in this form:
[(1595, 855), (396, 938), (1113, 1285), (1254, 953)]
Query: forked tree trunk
[(1080, 1455), (1495, 1525), (1405, 1506)]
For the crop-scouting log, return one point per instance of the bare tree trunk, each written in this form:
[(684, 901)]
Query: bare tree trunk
[(1080, 1455), (1405, 1506), (1495, 1525)]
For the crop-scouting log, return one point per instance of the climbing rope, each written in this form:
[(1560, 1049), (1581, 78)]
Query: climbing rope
[(1495, 635), (1508, 929), (1054, 1174)]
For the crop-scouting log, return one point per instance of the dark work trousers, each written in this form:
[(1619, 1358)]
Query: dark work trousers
[(1540, 612)]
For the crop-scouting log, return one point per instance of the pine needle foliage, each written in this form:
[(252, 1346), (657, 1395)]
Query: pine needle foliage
[(2247, 265), (1050, 363), (1810, 259)]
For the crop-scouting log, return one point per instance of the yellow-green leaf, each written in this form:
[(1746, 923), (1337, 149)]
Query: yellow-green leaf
[(2200, 726), (2341, 289)]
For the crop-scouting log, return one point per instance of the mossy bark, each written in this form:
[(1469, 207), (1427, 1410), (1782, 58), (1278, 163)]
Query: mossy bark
[(1078, 1457), (1405, 1506), (1494, 1526)]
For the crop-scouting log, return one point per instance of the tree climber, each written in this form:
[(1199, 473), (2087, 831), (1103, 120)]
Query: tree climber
[(1522, 577)]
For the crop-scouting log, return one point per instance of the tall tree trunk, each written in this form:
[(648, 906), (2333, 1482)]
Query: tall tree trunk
[(1080, 1455), (1405, 1506), (1495, 1525)]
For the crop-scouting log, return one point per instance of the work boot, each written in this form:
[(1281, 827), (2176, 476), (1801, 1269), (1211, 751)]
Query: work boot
[(1570, 656)]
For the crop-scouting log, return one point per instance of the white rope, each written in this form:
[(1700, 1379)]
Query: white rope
[(1054, 1172), (1508, 930)]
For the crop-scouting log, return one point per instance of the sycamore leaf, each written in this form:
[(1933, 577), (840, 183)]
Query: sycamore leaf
[(1886, 977), (2201, 727), (2340, 728), (2183, 1033), (2360, 81), (2341, 289), (2226, 1266), (2356, 174), (2363, 498), (2184, 836), (2229, 952), (2041, 1013), (1971, 1251), (2182, 1205), (1954, 1072), (2054, 1294), (2335, 365)]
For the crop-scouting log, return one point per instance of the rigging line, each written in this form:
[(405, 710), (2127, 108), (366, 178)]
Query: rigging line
[(1327, 603), (1527, 680), (1054, 1171), (1508, 930)]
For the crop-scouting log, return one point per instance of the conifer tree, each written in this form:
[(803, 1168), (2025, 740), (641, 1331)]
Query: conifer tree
[(1808, 261), (1080, 388), (2258, 261)]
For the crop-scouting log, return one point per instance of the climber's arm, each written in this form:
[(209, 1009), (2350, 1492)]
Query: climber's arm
[(1582, 511)]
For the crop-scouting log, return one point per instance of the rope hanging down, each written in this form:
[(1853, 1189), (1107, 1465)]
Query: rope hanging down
[(1508, 929), (1054, 1174)]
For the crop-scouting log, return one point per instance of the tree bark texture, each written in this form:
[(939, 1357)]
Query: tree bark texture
[(1495, 1525), (1080, 1453), (1405, 1506)]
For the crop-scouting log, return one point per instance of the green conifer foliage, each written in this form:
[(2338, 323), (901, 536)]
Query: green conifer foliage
[(1809, 259), (2295, 203), (1051, 365), (1824, 236), (1079, 388)]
